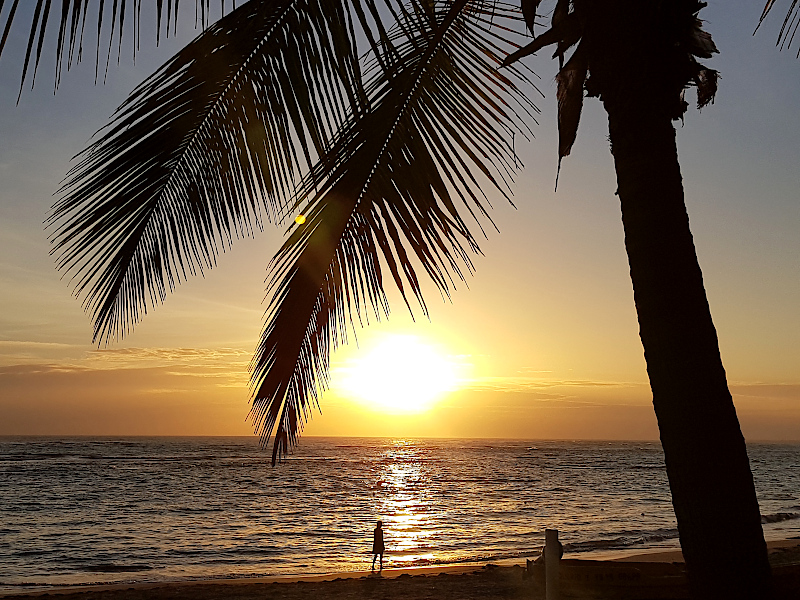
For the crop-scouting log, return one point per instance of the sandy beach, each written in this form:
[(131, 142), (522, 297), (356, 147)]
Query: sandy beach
[(461, 582)]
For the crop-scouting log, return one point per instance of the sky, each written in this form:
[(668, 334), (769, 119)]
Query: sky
[(542, 342)]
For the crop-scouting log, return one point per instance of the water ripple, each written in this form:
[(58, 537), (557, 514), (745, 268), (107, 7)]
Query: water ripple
[(81, 510)]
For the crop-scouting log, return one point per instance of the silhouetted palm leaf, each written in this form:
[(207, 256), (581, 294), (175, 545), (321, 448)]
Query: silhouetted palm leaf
[(199, 149), (570, 81), (439, 113), (790, 23), (71, 16)]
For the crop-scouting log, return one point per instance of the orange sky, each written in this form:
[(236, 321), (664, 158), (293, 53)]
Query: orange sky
[(545, 336)]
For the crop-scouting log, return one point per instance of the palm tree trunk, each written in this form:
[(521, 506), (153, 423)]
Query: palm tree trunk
[(709, 473), (707, 465)]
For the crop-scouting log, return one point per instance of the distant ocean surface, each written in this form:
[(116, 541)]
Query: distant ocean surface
[(81, 510)]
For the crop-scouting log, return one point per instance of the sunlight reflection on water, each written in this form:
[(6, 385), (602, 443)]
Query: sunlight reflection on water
[(405, 503)]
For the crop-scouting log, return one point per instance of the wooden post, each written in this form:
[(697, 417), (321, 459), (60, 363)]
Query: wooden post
[(552, 558)]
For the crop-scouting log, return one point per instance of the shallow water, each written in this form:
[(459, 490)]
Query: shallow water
[(80, 510)]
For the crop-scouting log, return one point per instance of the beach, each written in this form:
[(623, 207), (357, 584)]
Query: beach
[(462, 582), (471, 583)]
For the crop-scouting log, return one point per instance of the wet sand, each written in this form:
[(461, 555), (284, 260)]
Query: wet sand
[(440, 583), (462, 582)]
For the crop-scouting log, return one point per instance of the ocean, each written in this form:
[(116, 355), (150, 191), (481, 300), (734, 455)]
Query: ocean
[(90, 510)]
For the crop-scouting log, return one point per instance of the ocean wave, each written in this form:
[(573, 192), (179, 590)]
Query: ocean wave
[(115, 568), (32, 553), (470, 558), (778, 517), (622, 542)]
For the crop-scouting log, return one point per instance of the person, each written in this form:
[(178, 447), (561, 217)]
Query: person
[(378, 547)]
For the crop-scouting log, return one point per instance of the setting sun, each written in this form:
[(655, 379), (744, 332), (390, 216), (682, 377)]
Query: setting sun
[(401, 374)]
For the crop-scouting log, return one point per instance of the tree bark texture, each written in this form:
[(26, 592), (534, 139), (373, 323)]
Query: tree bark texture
[(707, 465)]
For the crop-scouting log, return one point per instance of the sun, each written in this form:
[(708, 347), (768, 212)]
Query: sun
[(402, 374)]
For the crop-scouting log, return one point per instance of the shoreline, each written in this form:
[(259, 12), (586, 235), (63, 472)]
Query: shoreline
[(188, 587), (385, 574)]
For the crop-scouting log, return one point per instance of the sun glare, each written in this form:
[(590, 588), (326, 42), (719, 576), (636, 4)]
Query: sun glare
[(401, 374)]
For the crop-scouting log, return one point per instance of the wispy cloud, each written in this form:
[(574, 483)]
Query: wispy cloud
[(219, 367), (138, 357), (25, 352), (13, 345), (766, 390), (523, 383)]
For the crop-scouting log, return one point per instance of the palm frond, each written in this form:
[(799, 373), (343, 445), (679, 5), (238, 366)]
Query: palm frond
[(397, 180), (570, 81), (790, 23), (567, 32), (200, 151), (529, 8), (69, 18)]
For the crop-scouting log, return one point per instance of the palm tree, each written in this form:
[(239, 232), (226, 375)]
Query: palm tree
[(639, 57), (273, 111)]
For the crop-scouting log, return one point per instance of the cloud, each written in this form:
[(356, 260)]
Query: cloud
[(122, 375), (766, 390), (137, 357), (78, 399), (20, 352), (521, 383), (9, 345), (204, 391), (198, 371), (37, 369)]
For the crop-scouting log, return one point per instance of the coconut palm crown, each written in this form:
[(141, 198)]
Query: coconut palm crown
[(573, 24)]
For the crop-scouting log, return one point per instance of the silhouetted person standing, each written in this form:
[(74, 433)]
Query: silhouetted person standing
[(378, 547)]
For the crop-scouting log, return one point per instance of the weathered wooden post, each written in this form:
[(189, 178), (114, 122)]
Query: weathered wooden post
[(552, 558)]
